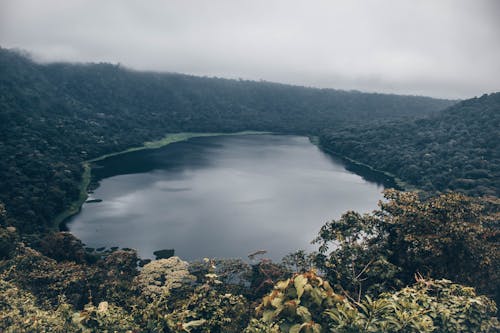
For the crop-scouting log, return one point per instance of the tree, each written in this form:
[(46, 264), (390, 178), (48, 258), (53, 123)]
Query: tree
[(446, 236)]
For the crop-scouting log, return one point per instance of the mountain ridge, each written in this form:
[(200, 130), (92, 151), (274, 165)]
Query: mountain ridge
[(54, 116), (456, 149)]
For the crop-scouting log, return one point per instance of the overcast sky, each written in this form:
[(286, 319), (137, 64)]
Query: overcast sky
[(441, 48)]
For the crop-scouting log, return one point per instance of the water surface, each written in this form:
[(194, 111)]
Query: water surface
[(221, 196)]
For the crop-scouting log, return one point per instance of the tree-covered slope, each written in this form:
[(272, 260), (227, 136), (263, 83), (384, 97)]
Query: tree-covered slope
[(456, 149), (54, 116)]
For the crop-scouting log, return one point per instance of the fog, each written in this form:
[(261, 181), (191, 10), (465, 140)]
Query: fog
[(446, 48)]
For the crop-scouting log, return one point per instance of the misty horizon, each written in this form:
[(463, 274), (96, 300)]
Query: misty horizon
[(446, 49), (27, 54)]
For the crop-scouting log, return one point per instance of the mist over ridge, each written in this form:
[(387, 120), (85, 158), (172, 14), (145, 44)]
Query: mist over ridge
[(405, 47)]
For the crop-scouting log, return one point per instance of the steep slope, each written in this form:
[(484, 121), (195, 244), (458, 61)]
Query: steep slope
[(52, 117), (456, 149)]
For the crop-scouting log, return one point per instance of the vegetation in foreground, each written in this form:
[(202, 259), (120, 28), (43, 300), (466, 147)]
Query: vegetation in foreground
[(373, 273), (381, 272)]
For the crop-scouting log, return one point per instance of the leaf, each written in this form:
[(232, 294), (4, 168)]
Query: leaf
[(193, 323), (282, 285), (327, 286), (317, 296), (211, 276), (277, 301), (295, 328), (304, 313), (268, 315), (316, 328), (299, 282), (278, 310)]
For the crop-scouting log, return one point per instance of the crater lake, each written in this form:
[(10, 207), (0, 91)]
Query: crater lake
[(221, 196)]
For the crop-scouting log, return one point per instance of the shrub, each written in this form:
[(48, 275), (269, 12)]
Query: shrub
[(307, 304)]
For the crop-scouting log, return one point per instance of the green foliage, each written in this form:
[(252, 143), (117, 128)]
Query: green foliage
[(53, 117), (48, 279), (450, 308), (302, 303), (427, 306), (204, 309), (235, 275), (159, 277), (63, 246), (8, 241), (103, 318), (8, 236), (299, 261), (296, 305), (450, 236), (113, 280), (110, 279), (358, 262), (306, 303), (456, 149), (207, 310), (171, 300), (3, 213), (264, 275), (20, 313)]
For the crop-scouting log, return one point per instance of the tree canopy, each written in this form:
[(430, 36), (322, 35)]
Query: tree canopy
[(388, 271), (54, 116), (457, 149)]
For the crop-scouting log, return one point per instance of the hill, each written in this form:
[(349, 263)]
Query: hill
[(456, 149), (54, 116)]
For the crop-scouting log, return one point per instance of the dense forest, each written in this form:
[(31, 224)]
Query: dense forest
[(376, 276), (457, 149), (52, 117), (424, 261)]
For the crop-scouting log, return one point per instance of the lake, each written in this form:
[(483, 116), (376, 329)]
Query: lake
[(224, 196)]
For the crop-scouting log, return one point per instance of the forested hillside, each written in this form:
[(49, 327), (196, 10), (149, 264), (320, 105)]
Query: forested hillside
[(388, 271), (54, 116), (457, 149)]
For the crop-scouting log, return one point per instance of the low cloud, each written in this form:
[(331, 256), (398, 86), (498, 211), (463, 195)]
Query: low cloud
[(437, 48)]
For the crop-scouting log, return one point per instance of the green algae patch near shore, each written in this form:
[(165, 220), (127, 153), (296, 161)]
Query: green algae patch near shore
[(172, 138), (76, 205)]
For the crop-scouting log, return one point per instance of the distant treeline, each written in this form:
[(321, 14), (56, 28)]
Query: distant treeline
[(53, 117), (457, 149)]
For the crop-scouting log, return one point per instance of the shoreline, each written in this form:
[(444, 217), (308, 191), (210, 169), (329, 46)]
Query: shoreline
[(400, 184), (59, 222)]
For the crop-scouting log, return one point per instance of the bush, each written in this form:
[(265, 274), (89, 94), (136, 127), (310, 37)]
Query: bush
[(448, 236), (307, 304), (20, 313)]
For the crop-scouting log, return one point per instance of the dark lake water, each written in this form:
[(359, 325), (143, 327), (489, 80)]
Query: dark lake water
[(223, 196)]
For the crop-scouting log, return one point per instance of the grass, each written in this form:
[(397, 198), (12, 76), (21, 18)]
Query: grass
[(76, 205), (172, 138)]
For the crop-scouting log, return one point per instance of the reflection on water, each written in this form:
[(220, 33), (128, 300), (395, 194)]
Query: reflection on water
[(222, 196)]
